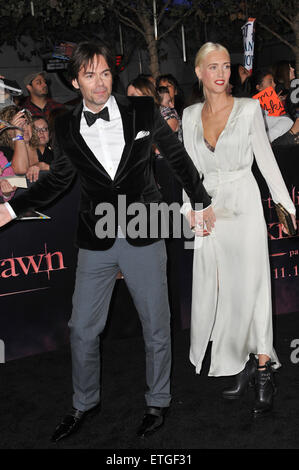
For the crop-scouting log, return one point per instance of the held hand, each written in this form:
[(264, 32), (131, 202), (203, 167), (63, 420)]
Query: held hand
[(294, 223), (5, 216), (202, 222)]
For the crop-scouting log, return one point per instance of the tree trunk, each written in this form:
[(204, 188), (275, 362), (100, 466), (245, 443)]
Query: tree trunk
[(296, 48), (152, 46), (154, 60)]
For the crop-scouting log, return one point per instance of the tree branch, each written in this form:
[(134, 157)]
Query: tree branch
[(180, 20), (163, 11), (287, 20), (277, 36), (125, 20), (125, 4)]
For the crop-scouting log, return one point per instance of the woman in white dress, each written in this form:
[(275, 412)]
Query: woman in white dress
[(231, 298)]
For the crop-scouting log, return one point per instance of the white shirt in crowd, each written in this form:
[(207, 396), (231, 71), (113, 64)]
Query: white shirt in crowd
[(276, 126)]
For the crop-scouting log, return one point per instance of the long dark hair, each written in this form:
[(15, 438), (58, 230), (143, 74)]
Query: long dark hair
[(146, 87), (281, 72), (239, 89)]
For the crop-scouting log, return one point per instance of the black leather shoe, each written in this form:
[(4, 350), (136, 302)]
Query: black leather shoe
[(153, 419), (265, 390), (243, 380), (71, 423)]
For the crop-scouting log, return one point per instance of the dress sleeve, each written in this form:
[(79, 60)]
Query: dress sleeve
[(186, 206), (266, 161)]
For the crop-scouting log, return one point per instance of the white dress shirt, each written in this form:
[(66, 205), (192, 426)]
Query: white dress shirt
[(105, 138)]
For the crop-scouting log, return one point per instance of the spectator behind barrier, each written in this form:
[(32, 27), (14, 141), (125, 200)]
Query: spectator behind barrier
[(12, 142), (6, 189), (169, 113), (240, 81), (281, 130), (284, 74), (175, 91), (44, 150), (38, 101), (141, 86)]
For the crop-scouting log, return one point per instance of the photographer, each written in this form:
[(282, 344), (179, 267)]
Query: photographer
[(12, 142)]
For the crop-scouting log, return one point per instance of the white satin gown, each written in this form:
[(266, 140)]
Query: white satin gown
[(231, 293)]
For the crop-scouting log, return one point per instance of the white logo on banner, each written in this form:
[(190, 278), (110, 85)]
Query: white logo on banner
[(2, 352), (248, 41), (295, 353)]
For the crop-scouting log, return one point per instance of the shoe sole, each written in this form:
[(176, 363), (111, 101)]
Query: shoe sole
[(150, 432), (232, 398)]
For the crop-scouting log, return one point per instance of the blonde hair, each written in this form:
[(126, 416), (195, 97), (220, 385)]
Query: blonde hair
[(203, 52)]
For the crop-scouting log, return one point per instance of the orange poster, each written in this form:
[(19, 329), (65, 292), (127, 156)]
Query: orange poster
[(270, 102)]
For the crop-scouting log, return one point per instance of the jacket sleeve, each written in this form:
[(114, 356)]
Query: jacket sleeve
[(182, 165)]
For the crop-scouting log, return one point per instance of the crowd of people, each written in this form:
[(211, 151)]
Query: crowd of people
[(222, 130), (25, 144), (29, 151)]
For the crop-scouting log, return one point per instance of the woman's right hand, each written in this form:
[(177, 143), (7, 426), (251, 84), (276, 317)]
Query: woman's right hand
[(19, 121), (6, 188)]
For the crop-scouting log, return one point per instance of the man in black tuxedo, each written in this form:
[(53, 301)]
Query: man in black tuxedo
[(107, 141)]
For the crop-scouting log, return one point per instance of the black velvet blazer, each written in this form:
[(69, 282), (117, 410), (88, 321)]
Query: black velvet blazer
[(134, 177)]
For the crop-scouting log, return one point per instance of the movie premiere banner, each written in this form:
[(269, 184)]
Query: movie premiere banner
[(283, 249), (37, 275), (37, 270)]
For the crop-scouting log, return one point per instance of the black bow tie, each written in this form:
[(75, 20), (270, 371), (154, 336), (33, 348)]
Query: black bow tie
[(92, 117)]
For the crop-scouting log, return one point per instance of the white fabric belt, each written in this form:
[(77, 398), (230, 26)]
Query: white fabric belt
[(214, 179)]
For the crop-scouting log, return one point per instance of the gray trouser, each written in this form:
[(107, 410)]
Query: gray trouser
[(144, 270)]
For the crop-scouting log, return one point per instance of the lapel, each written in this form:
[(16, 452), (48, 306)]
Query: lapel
[(127, 112), (128, 119), (80, 142)]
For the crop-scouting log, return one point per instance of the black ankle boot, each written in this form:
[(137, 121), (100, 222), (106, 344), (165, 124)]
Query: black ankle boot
[(264, 389), (242, 380)]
